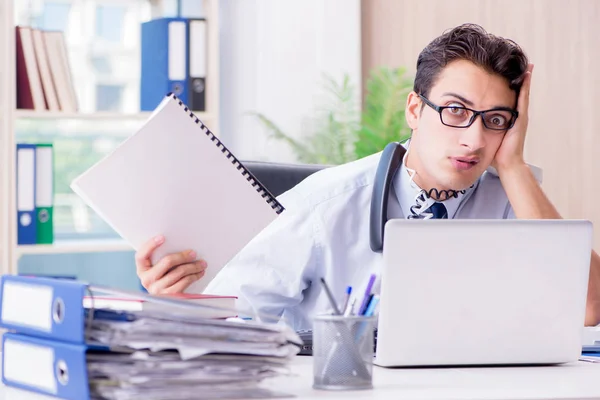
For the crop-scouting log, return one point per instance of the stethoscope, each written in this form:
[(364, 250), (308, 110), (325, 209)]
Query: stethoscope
[(390, 161)]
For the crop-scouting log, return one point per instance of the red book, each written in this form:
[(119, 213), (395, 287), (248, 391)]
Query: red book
[(225, 303)]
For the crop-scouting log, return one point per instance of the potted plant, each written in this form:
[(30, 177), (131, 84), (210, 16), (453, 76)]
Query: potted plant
[(342, 131)]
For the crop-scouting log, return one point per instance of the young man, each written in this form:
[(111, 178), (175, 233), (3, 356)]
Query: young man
[(460, 163)]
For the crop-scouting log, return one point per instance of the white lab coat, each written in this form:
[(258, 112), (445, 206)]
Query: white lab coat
[(324, 232)]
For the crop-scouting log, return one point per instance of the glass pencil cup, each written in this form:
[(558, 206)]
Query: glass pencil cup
[(343, 350)]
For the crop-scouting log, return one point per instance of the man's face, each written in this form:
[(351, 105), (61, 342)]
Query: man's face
[(446, 157)]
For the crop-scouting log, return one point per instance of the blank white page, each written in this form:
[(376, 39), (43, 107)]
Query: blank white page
[(170, 178)]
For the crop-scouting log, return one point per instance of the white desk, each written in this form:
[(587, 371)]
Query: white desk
[(574, 381)]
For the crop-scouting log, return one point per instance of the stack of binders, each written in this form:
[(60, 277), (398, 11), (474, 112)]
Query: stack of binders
[(58, 347), (35, 193), (174, 60)]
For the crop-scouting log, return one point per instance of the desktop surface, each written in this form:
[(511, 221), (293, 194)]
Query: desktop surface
[(578, 380)]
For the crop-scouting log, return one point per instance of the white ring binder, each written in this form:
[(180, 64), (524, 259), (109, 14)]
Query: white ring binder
[(271, 200)]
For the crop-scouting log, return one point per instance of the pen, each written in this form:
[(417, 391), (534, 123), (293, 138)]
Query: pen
[(364, 311), (350, 308), (368, 313), (365, 301), (371, 308), (330, 296), (348, 293)]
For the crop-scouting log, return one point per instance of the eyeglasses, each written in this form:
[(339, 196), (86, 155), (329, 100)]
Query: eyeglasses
[(498, 119)]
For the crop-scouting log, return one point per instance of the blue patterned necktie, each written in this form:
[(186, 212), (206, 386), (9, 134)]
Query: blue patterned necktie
[(438, 210)]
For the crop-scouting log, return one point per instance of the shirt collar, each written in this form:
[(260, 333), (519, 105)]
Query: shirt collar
[(407, 191)]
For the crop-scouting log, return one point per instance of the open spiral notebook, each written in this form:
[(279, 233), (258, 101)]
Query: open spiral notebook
[(176, 178)]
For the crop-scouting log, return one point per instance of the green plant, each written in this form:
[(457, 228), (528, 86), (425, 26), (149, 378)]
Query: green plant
[(343, 133), (383, 119), (335, 127)]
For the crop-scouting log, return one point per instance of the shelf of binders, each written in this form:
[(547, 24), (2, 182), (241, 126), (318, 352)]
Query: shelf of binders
[(113, 116), (76, 246)]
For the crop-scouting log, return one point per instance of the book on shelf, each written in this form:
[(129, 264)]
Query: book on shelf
[(44, 80)]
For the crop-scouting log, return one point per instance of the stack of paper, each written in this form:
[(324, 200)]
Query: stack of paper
[(591, 336), (163, 375), (161, 355), (193, 335), (57, 345), (591, 344)]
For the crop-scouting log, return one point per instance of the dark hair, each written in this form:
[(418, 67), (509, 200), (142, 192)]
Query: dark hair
[(472, 43)]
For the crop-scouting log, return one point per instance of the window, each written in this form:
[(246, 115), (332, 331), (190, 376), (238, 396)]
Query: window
[(185, 8), (109, 22), (102, 65), (108, 97), (78, 144), (54, 16)]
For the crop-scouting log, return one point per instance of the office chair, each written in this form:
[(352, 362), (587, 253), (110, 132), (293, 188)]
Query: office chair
[(280, 177)]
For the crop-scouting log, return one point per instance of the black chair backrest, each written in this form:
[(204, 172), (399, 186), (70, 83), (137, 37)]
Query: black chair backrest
[(280, 177)]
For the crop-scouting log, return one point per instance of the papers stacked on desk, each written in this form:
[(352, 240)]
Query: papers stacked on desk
[(179, 357), (165, 353), (191, 336), (591, 344), (163, 375)]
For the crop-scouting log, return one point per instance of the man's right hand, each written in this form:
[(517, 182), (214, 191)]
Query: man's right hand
[(172, 274)]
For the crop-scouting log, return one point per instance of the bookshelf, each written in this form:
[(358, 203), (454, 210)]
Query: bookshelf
[(110, 116), (32, 114), (75, 246), (11, 118)]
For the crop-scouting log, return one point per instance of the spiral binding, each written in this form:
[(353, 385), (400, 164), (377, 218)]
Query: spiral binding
[(260, 188)]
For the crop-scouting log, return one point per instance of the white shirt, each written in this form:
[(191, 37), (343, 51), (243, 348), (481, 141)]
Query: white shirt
[(324, 232), (407, 191)]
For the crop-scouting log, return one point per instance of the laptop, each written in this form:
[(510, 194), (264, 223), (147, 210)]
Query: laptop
[(483, 292)]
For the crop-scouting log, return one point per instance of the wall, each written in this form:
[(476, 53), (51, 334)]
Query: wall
[(562, 38), (273, 55)]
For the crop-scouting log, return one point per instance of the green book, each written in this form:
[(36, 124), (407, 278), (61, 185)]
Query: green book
[(44, 193)]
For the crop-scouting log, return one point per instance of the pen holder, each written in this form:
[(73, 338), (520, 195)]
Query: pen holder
[(343, 352)]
